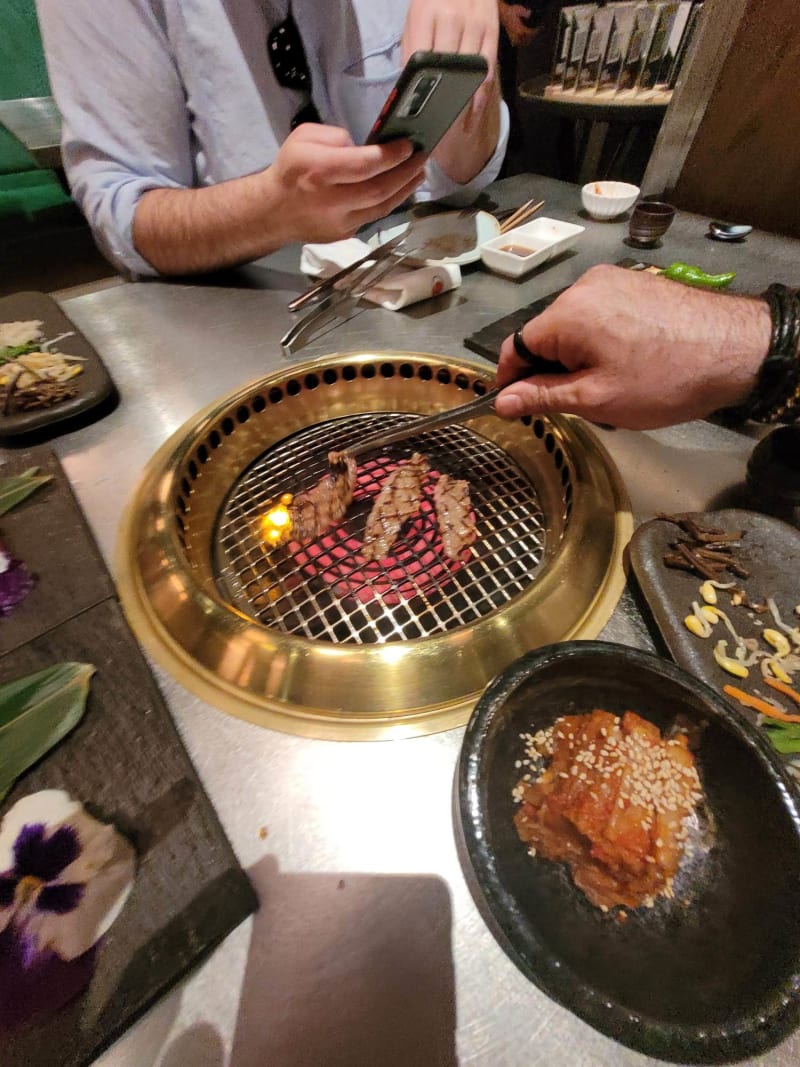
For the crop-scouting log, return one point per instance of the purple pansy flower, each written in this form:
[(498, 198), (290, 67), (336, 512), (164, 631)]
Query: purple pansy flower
[(16, 581), (64, 878), (39, 861)]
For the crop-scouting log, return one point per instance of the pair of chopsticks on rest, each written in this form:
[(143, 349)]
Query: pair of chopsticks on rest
[(522, 214)]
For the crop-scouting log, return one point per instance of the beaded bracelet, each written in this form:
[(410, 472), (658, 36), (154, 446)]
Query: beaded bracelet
[(776, 397)]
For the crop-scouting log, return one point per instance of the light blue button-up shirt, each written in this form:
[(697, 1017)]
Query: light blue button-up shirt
[(181, 94)]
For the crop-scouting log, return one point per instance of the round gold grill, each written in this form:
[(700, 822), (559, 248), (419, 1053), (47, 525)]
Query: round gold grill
[(312, 638)]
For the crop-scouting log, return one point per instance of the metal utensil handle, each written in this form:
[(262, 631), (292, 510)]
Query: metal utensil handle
[(365, 279), (478, 406), (322, 287)]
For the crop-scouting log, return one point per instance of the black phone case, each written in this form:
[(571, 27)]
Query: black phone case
[(461, 76)]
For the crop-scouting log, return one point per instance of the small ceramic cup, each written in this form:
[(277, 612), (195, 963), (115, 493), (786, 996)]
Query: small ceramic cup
[(650, 220)]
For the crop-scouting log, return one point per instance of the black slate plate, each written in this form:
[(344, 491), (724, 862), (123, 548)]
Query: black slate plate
[(126, 762), (708, 977), (49, 533), (96, 391), (770, 550)]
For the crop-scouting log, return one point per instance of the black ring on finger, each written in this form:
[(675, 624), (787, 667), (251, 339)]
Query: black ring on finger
[(523, 351)]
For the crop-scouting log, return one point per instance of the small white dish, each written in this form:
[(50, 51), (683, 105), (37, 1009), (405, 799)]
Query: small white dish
[(520, 250), (438, 227), (606, 200)]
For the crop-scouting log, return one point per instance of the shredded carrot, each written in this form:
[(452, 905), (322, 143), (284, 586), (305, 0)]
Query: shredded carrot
[(782, 687), (762, 706)]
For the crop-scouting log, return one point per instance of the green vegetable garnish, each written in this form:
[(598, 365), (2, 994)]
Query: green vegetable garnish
[(15, 489), (689, 275), (36, 712), (13, 351)]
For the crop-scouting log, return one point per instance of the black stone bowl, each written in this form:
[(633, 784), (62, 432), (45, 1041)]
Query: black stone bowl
[(708, 977)]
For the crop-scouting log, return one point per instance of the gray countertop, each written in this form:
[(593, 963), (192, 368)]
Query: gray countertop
[(368, 948)]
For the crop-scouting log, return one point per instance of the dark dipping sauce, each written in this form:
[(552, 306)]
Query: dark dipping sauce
[(517, 250)]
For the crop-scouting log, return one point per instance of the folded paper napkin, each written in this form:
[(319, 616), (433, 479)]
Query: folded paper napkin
[(397, 289)]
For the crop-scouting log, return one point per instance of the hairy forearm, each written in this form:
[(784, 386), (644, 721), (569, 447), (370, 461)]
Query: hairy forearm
[(469, 144), (184, 231)]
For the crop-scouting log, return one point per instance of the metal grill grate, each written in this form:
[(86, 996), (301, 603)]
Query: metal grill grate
[(325, 593)]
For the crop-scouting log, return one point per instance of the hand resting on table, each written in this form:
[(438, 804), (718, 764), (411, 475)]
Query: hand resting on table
[(642, 352)]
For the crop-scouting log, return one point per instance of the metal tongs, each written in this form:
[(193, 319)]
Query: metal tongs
[(342, 302), (326, 284), (481, 405)]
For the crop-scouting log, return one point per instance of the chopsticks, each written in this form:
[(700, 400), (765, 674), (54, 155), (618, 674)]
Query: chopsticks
[(522, 214)]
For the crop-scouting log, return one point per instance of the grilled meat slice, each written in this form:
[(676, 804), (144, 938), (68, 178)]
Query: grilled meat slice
[(323, 506), (397, 501), (453, 513)]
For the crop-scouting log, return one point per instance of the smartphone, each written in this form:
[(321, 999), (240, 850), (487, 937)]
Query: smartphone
[(430, 94)]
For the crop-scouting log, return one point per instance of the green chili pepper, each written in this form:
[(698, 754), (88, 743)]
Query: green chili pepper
[(689, 275)]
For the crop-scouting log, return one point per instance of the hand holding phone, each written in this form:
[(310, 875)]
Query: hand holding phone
[(430, 94)]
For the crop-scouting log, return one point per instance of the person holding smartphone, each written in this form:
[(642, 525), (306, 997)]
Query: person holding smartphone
[(198, 135)]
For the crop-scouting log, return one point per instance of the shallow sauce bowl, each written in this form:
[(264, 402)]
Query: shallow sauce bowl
[(710, 976)]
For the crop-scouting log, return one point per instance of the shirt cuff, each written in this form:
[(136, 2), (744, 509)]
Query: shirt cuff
[(439, 186), (109, 203)]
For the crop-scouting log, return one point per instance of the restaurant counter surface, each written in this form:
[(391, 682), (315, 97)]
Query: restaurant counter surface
[(368, 948)]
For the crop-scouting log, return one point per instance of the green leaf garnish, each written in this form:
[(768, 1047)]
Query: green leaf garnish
[(10, 352), (36, 712), (15, 489)]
